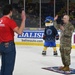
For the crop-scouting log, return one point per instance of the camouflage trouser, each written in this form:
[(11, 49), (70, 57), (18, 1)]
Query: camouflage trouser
[(65, 55)]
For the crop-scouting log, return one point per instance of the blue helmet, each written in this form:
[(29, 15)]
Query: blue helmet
[(49, 18)]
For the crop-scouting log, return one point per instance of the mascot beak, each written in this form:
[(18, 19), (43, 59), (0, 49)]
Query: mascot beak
[(50, 23), (47, 24)]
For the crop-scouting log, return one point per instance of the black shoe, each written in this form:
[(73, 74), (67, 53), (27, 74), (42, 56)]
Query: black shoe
[(55, 53), (43, 52)]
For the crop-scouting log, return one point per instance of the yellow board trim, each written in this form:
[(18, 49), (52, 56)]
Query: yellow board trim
[(36, 44)]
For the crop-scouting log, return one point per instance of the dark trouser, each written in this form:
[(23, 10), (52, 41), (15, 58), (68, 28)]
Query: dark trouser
[(65, 55), (8, 53)]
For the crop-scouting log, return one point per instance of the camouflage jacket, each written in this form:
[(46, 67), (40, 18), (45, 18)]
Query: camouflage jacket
[(66, 35)]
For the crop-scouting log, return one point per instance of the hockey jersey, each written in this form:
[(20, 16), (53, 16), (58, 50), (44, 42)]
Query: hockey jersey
[(50, 33)]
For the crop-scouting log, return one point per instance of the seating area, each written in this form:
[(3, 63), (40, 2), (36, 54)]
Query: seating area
[(35, 14)]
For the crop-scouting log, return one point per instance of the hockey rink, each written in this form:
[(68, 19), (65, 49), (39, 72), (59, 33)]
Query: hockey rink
[(29, 61)]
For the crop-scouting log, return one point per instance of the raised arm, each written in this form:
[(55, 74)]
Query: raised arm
[(20, 29), (57, 26)]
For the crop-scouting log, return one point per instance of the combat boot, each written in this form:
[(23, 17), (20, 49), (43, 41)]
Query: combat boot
[(62, 67), (43, 52), (55, 53), (66, 68)]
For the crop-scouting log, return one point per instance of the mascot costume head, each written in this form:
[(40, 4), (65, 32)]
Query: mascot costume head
[(49, 21)]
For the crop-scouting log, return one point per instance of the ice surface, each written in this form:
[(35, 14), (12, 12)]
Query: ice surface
[(29, 61)]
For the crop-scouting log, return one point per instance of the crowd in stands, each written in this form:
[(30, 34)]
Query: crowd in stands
[(47, 9)]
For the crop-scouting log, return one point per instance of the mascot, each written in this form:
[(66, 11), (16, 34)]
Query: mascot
[(50, 36)]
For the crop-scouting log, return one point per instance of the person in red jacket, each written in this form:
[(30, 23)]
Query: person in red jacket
[(7, 47)]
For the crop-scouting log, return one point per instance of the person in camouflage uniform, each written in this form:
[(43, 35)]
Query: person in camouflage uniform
[(65, 41)]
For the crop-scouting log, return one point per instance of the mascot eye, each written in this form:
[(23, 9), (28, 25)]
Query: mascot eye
[(49, 32)]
